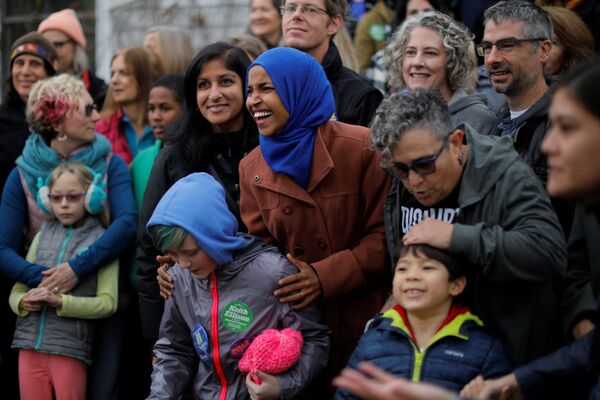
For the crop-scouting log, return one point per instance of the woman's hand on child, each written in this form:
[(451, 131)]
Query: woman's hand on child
[(60, 279), (165, 282), (267, 390), (302, 288), (430, 231)]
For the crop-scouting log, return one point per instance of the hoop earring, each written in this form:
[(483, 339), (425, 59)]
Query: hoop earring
[(61, 138)]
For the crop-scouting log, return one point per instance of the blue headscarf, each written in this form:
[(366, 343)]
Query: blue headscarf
[(306, 94)]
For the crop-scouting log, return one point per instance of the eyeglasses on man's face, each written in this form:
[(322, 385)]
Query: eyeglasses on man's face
[(309, 10), (505, 46), (423, 166)]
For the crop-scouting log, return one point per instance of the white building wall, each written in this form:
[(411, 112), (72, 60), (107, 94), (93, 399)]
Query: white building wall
[(123, 22)]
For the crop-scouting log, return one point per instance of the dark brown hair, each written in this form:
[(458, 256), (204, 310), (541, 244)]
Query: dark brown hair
[(573, 35)]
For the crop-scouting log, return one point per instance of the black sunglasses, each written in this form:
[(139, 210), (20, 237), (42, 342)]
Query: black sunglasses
[(424, 166), (89, 109)]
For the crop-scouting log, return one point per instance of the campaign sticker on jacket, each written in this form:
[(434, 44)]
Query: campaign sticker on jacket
[(239, 347), (236, 316), (378, 32), (200, 340)]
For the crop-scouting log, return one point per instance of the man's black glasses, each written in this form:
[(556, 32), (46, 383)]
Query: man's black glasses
[(503, 45)]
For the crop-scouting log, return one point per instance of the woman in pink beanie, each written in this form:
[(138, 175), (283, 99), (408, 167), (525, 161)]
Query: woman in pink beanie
[(64, 31)]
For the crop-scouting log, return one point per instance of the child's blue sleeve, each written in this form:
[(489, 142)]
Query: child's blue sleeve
[(496, 364), (356, 358), (13, 217)]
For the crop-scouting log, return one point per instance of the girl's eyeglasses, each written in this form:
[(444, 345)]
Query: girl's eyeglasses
[(71, 197)]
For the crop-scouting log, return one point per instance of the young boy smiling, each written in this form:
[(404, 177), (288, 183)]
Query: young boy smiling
[(428, 335)]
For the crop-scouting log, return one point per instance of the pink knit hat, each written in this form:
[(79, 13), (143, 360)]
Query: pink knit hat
[(65, 21), (272, 352)]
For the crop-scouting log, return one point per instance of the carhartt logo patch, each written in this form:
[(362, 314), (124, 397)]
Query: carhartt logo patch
[(454, 353)]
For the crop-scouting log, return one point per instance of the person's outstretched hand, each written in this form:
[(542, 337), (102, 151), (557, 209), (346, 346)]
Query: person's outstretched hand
[(372, 383), (473, 389)]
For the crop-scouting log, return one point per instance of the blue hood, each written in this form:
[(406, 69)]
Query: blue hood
[(197, 204)]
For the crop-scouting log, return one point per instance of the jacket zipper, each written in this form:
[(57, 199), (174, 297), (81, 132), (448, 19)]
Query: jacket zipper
[(214, 333), (61, 254)]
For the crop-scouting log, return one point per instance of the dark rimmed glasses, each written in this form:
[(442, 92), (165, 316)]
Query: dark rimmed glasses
[(305, 9), (72, 197), (422, 167), (503, 45)]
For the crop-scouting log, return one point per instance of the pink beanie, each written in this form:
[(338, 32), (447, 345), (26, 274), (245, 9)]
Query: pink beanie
[(272, 352), (65, 21)]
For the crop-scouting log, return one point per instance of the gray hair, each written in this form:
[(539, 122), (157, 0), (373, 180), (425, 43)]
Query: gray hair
[(455, 39), (536, 22), (419, 108), (176, 48)]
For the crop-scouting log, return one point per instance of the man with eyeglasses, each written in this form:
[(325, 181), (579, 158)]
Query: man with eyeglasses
[(516, 43), (309, 26), (471, 195)]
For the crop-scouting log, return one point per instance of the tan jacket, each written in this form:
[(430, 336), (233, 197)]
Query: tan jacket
[(371, 35), (336, 225)]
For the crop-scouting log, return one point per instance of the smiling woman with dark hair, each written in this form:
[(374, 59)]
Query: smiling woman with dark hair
[(213, 133)]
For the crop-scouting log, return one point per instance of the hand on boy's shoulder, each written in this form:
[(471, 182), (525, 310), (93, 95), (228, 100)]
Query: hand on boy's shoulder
[(164, 279)]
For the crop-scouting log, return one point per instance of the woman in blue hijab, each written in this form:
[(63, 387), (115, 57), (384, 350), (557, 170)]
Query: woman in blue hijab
[(315, 189)]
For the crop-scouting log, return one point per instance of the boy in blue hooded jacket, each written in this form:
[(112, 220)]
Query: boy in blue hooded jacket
[(428, 336), (223, 297)]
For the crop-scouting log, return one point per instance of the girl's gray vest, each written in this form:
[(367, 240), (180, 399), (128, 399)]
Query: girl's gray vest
[(44, 330)]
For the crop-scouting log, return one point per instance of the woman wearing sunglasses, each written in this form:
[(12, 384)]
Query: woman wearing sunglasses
[(469, 194), (61, 114), (314, 188)]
